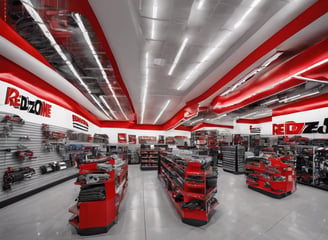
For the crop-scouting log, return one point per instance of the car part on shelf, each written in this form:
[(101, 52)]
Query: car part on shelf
[(7, 129), (5, 150), (193, 204), (211, 180), (197, 179), (24, 138), (50, 167), (92, 193), (93, 178), (105, 166), (15, 175), (25, 154)]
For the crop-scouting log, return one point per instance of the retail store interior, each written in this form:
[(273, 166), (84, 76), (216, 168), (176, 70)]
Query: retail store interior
[(164, 119)]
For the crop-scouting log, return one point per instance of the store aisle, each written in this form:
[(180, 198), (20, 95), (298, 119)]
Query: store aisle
[(147, 213)]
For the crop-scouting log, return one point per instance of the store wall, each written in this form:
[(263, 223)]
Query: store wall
[(220, 130), (113, 133), (56, 115), (61, 117), (311, 124), (264, 128)]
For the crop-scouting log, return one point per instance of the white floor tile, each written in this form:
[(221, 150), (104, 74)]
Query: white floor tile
[(146, 213)]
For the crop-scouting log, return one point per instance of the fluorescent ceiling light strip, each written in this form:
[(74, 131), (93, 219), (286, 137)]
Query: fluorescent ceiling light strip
[(249, 114), (106, 104), (188, 76), (88, 40), (270, 101), (289, 98), (309, 94), (198, 120), (35, 15), (178, 56), (145, 89), (298, 96), (272, 58), (163, 109), (155, 8), (204, 59), (93, 97), (253, 5), (251, 74), (310, 79), (200, 4), (219, 117)]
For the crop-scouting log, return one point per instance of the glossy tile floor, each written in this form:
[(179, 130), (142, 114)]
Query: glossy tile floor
[(147, 213)]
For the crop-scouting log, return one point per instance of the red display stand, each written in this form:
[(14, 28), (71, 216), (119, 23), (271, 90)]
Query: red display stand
[(94, 217), (184, 193), (270, 176)]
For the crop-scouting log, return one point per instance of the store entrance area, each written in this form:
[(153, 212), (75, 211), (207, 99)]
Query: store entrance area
[(147, 213)]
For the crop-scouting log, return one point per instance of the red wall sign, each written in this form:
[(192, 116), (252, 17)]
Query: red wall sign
[(24, 103), (132, 139), (80, 123), (293, 128), (146, 139), (121, 138)]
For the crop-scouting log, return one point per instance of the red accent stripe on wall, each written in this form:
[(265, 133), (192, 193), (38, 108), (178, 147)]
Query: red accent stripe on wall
[(21, 78), (184, 128), (255, 121), (307, 58)]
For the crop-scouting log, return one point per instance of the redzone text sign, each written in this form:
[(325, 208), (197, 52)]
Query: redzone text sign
[(292, 128), (23, 103)]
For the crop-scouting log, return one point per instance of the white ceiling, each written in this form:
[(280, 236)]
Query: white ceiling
[(135, 27)]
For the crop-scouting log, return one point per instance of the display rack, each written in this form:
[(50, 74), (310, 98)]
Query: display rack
[(233, 159), (25, 146), (270, 176), (149, 159), (103, 186), (191, 185), (204, 139), (312, 166)]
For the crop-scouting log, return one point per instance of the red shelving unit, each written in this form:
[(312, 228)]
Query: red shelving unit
[(94, 217), (270, 176), (149, 159), (194, 201)]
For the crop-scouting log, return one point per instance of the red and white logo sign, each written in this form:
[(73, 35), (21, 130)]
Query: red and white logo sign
[(294, 128), (80, 123), (24, 103)]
